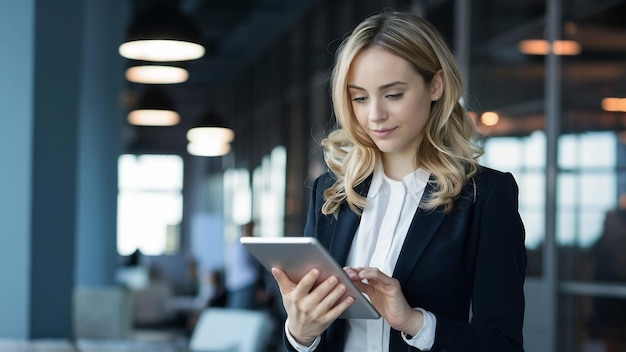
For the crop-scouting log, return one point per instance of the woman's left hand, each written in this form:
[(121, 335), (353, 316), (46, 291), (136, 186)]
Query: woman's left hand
[(386, 296)]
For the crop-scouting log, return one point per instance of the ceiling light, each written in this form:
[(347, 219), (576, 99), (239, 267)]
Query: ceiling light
[(613, 104), (154, 109), (161, 50), (153, 117), (543, 47), (162, 33), (156, 74), (489, 118), (210, 137), (200, 134), (208, 148)]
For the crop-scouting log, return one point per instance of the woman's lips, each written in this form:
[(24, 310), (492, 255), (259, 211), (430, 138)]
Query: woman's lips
[(382, 133)]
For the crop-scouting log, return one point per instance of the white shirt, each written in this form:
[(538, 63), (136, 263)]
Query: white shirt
[(377, 243)]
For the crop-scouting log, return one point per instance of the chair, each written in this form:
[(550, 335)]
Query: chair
[(231, 330)]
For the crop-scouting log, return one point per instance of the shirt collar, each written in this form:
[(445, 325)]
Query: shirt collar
[(415, 182), (377, 181)]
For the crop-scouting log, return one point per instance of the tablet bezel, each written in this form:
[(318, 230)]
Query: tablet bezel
[(297, 256)]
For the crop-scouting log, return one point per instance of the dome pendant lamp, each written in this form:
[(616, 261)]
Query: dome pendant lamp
[(150, 73), (210, 137), (162, 34), (154, 109)]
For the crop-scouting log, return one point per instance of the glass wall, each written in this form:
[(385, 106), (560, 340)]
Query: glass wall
[(591, 220), (510, 95), (507, 98)]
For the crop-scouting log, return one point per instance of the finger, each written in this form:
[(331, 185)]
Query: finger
[(283, 281), (360, 283), (315, 298), (375, 274), (325, 287), (316, 303), (330, 299), (351, 272), (379, 281), (305, 285), (364, 287), (355, 273), (336, 311)]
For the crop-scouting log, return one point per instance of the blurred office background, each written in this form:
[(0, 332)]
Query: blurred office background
[(111, 227)]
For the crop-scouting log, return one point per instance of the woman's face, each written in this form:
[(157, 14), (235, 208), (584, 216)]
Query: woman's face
[(390, 100)]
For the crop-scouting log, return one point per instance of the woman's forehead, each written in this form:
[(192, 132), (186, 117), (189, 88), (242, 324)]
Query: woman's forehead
[(377, 66)]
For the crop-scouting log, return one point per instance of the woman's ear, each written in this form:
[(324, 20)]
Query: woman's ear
[(437, 86)]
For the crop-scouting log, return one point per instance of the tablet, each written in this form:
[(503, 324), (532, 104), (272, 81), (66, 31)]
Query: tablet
[(297, 256)]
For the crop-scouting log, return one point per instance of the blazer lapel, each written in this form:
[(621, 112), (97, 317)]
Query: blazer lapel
[(347, 224), (423, 228), (343, 234)]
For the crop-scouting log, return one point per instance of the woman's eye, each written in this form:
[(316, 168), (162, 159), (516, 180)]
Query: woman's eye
[(359, 99), (395, 96)]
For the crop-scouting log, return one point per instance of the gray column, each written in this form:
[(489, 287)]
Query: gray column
[(57, 63), (17, 20), (59, 140), (99, 145), (552, 126)]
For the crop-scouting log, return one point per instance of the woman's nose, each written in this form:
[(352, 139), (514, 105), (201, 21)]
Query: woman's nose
[(377, 111)]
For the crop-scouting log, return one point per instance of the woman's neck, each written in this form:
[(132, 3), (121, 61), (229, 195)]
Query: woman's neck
[(396, 166)]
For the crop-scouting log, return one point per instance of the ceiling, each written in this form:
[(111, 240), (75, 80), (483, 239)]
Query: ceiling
[(233, 32)]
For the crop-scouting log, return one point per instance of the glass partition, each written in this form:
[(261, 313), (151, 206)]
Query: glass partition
[(506, 99), (591, 204)]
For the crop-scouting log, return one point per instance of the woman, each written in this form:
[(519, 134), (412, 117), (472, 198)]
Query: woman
[(434, 239)]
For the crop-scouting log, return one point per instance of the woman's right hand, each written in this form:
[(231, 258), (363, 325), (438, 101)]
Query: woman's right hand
[(311, 309)]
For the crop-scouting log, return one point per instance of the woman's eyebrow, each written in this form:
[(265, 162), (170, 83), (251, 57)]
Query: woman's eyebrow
[(383, 87)]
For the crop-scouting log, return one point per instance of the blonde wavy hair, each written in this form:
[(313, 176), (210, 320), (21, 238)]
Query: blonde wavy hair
[(446, 150)]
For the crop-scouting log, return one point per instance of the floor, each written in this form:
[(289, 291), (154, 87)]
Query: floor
[(140, 341)]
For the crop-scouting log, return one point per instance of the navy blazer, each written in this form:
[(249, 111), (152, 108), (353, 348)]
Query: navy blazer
[(471, 258)]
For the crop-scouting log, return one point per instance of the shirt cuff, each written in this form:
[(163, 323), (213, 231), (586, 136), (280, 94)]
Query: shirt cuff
[(425, 338), (296, 345)]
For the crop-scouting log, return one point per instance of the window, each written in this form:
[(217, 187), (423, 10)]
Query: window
[(149, 204), (524, 157), (269, 181)]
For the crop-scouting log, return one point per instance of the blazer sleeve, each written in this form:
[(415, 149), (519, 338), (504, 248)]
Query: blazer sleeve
[(500, 268), (309, 231)]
